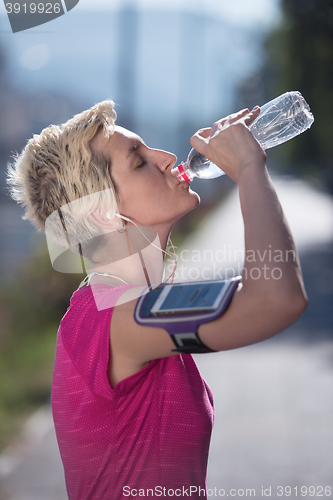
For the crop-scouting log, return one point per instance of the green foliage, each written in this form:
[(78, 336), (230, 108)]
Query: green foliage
[(31, 306), (300, 57)]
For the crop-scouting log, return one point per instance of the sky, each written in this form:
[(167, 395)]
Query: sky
[(242, 12), (238, 11), (57, 55)]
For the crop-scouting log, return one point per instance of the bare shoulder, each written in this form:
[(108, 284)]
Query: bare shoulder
[(133, 346)]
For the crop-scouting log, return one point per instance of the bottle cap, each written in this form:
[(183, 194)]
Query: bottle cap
[(182, 172)]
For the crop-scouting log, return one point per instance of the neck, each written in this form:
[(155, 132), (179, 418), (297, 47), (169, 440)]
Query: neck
[(135, 261)]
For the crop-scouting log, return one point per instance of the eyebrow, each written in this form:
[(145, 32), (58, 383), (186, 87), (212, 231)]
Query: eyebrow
[(134, 146)]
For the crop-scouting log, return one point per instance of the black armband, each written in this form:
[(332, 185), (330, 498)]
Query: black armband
[(181, 308)]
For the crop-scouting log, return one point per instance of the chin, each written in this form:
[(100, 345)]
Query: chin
[(192, 201), (195, 197), (195, 201)]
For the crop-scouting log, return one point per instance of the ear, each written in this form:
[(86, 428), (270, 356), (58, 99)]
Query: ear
[(103, 220)]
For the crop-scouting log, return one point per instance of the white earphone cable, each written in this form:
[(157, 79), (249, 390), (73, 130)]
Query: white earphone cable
[(86, 280), (174, 257)]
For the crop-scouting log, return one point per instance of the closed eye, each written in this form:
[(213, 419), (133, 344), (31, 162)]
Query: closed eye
[(142, 164)]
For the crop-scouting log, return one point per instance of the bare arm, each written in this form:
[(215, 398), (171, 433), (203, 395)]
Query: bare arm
[(263, 306), (273, 295)]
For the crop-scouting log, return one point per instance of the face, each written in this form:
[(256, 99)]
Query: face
[(147, 192)]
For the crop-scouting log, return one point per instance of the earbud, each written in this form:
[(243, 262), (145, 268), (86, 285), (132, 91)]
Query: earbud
[(119, 224), (123, 217)]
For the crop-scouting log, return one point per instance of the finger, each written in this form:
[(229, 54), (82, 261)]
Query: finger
[(204, 132), (199, 140), (225, 122), (252, 115), (234, 117), (216, 127)]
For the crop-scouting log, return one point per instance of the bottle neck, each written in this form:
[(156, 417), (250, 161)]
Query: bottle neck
[(182, 172)]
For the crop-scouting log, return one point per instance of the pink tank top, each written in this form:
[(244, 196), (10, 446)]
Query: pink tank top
[(147, 437)]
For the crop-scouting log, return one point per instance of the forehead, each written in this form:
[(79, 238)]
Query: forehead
[(118, 142)]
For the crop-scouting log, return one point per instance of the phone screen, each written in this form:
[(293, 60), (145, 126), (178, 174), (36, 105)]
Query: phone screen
[(194, 297)]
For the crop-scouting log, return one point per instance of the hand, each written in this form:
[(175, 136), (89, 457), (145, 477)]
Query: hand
[(230, 145)]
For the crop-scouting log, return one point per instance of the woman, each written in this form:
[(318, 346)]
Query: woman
[(133, 417)]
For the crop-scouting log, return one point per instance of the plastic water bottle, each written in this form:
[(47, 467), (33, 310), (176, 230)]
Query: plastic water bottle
[(280, 120)]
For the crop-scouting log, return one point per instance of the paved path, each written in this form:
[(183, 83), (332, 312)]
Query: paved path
[(274, 416), (31, 468), (274, 400)]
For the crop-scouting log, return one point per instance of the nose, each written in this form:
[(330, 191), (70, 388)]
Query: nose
[(164, 159)]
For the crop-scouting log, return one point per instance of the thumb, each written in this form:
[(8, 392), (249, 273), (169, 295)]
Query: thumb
[(199, 140)]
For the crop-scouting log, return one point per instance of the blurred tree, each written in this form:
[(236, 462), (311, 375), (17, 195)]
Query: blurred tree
[(32, 303), (299, 56)]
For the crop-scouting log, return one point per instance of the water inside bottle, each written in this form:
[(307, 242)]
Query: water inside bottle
[(201, 166)]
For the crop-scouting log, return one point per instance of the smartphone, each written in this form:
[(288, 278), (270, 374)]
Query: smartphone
[(195, 297)]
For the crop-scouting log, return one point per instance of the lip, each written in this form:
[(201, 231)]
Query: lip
[(178, 181), (175, 176), (184, 182)]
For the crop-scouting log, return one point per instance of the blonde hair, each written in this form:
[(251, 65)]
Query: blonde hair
[(57, 168)]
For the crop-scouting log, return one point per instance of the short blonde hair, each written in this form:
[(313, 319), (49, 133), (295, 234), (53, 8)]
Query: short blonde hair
[(58, 167)]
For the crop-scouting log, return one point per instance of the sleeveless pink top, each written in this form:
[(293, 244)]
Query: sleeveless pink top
[(149, 436)]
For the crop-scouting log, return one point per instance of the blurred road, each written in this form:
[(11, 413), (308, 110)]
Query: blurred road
[(274, 400)]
